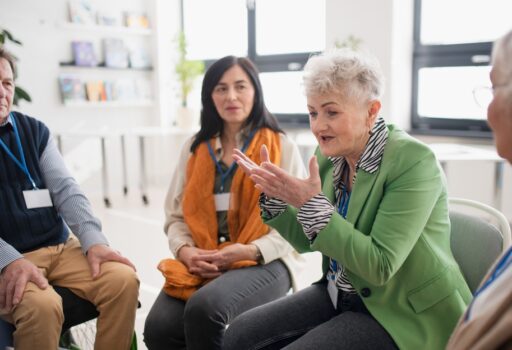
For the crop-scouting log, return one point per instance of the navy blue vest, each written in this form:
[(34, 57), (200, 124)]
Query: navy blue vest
[(26, 229)]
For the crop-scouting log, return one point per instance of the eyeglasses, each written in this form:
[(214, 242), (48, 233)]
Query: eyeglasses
[(483, 95)]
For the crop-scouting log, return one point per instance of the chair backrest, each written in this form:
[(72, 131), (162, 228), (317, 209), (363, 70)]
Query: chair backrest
[(479, 234)]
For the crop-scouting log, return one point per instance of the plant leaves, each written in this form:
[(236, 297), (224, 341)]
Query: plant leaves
[(20, 94), (9, 36)]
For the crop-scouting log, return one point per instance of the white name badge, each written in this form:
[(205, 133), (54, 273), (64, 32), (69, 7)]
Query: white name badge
[(37, 199), (333, 293), (222, 201)]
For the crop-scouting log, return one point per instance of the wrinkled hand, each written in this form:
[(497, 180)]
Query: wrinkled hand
[(14, 279), (230, 254), (98, 254), (198, 262), (277, 183)]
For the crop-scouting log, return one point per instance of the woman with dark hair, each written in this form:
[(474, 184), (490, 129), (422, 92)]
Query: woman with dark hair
[(227, 260)]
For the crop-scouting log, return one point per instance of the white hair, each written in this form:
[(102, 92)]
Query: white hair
[(350, 73), (502, 53)]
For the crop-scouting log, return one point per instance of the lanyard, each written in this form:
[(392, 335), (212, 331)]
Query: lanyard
[(225, 175), (342, 209), (343, 206), (23, 164), (502, 265)]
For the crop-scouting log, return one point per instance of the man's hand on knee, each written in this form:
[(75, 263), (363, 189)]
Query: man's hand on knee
[(14, 279), (98, 254)]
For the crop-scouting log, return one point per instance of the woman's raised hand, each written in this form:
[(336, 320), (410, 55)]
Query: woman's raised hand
[(277, 183)]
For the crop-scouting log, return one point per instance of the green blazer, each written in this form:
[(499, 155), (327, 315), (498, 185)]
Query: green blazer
[(394, 243)]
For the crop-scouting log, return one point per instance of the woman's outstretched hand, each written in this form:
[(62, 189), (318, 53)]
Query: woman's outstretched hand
[(277, 183)]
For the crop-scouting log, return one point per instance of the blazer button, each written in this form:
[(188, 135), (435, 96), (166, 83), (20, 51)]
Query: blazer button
[(366, 292)]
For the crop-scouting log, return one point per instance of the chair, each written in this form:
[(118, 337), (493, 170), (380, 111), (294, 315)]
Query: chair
[(479, 234)]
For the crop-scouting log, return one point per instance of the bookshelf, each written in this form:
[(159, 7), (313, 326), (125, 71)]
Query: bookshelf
[(111, 62), (102, 67), (106, 29)]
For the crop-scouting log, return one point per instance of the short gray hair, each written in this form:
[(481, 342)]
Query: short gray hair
[(502, 52), (9, 57), (350, 73)]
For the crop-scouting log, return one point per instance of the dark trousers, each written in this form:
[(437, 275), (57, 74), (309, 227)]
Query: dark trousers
[(308, 320), (200, 322)]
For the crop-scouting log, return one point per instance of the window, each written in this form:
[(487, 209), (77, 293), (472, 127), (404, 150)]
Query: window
[(279, 44), (452, 51)]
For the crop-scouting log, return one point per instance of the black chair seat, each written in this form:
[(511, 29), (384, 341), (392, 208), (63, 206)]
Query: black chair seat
[(76, 309)]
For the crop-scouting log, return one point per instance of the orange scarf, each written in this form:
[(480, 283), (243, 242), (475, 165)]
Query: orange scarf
[(244, 221)]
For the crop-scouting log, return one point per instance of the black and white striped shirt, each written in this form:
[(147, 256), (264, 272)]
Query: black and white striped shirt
[(316, 213)]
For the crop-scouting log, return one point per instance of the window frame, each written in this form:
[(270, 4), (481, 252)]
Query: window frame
[(452, 55), (269, 63)]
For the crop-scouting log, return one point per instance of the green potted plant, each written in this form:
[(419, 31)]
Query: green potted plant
[(19, 92), (351, 42), (186, 71)]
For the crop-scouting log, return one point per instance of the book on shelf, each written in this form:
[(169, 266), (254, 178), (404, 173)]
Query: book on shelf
[(136, 20), (109, 93), (72, 89), (116, 53), (95, 91), (109, 18), (81, 12), (83, 53), (139, 57)]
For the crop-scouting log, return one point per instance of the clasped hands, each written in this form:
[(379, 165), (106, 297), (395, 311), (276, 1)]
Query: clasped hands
[(212, 263), (277, 183)]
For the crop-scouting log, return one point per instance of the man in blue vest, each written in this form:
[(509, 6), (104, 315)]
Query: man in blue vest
[(39, 200)]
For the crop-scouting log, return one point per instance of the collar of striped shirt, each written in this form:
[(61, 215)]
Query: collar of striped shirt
[(371, 157)]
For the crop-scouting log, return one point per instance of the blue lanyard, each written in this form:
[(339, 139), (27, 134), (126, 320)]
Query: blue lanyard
[(225, 175), (342, 209), (502, 265), (23, 164), (343, 206)]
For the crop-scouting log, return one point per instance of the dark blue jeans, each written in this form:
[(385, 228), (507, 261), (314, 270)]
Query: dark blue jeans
[(200, 322), (308, 320)]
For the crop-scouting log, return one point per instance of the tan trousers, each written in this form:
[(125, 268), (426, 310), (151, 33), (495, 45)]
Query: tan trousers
[(38, 317)]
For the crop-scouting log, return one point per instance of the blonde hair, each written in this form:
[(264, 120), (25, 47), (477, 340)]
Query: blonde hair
[(350, 73)]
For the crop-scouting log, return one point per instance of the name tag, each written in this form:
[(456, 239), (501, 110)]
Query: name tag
[(333, 292), (222, 201), (37, 199)]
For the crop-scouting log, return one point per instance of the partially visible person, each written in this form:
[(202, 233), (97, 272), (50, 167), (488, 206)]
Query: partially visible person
[(487, 323), (227, 260), (39, 200), (375, 205)]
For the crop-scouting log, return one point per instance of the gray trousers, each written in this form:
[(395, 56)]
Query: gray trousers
[(200, 322), (308, 320)]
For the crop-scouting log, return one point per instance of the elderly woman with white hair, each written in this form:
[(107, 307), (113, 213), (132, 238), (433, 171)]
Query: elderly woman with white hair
[(375, 205), (487, 323)]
